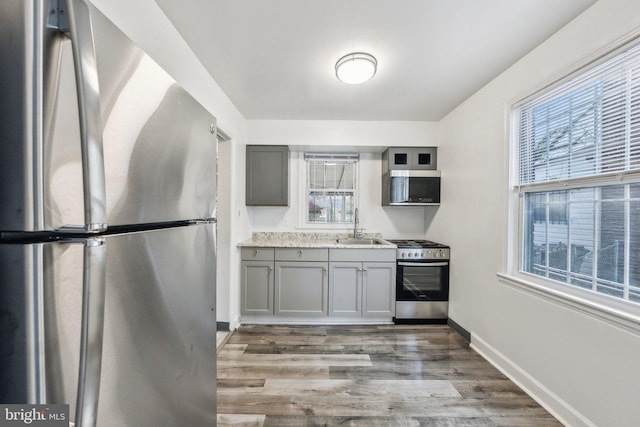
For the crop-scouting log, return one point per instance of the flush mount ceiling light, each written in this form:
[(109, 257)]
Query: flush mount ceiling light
[(356, 67)]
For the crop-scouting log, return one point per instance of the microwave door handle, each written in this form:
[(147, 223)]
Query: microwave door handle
[(423, 264), (85, 65)]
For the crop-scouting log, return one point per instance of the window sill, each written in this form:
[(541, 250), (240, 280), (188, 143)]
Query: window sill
[(610, 310)]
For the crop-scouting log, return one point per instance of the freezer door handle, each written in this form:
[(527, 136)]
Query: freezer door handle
[(93, 300), (84, 58)]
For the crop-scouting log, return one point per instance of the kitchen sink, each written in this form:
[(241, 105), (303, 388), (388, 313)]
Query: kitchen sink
[(352, 241)]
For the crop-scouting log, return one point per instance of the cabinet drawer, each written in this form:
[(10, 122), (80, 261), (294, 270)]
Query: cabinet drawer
[(363, 255), (302, 254), (257, 254)]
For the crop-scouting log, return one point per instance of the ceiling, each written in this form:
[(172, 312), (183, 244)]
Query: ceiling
[(275, 58)]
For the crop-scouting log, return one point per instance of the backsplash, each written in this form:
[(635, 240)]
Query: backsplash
[(258, 236)]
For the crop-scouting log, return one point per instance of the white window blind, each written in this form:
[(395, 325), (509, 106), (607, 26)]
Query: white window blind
[(331, 187), (588, 126), (578, 148)]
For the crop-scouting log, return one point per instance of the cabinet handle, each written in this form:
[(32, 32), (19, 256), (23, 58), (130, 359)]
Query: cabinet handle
[(269, 269), (364, 269), (255, 253), (300, 252), (324, 269)]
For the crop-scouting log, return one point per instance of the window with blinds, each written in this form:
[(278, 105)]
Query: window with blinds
[(331, 188), (579, 174)]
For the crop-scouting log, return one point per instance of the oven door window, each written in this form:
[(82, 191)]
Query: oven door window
[(421, 282)]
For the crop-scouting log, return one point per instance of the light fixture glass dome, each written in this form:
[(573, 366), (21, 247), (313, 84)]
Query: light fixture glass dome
[(356, 67)]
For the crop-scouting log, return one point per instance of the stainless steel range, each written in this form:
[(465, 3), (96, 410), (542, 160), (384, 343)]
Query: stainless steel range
[(422, 281)]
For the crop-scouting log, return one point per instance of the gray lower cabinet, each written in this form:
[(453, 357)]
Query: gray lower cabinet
[(345, 289), (257, 287), (257, 279), (362, 289), (318, 284), (379, 289), (301, 288)]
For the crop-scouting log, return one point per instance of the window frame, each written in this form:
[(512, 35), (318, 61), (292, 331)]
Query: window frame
[(306, 190), (614, 310)]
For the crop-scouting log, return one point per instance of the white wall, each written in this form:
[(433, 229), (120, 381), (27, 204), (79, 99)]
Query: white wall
[(147, 25), (584, 369), (368, 138)]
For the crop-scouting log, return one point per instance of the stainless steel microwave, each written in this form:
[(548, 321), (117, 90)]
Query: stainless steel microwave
[(411, 188)]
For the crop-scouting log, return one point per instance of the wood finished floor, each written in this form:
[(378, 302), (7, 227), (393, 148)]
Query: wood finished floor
[(395, 375)]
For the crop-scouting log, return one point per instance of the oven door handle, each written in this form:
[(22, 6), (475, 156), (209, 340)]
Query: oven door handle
[(423, 264)]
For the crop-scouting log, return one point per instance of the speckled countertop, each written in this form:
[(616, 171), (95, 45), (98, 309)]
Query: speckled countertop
[(308, 240)]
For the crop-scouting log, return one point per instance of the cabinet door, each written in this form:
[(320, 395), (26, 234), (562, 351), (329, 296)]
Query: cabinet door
[(301, 288), (267, 175), (345, 289), (397, 158), (379, 280), (257, 287), (424, 158)]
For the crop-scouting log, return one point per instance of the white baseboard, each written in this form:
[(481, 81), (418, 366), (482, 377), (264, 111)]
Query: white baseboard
[(560, 409), (233, 325)]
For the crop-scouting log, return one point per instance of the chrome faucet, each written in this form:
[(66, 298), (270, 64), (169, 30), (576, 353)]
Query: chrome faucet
[(356, 221)]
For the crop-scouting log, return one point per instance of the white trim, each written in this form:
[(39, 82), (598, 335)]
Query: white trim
[(303, 194), (600, 307), (591, 60), (234, 324), (614, 311), (550, 401), (600, 180), (347, 157)]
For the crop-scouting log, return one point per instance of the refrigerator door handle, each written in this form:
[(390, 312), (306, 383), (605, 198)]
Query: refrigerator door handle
[(92, 328), (84, 58)]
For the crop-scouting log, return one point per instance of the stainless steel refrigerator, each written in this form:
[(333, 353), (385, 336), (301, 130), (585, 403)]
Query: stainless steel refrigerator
[(107, 225)]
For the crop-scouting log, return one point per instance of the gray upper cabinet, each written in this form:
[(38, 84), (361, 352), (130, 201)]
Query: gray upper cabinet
[(267, 175), (410, 158)]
